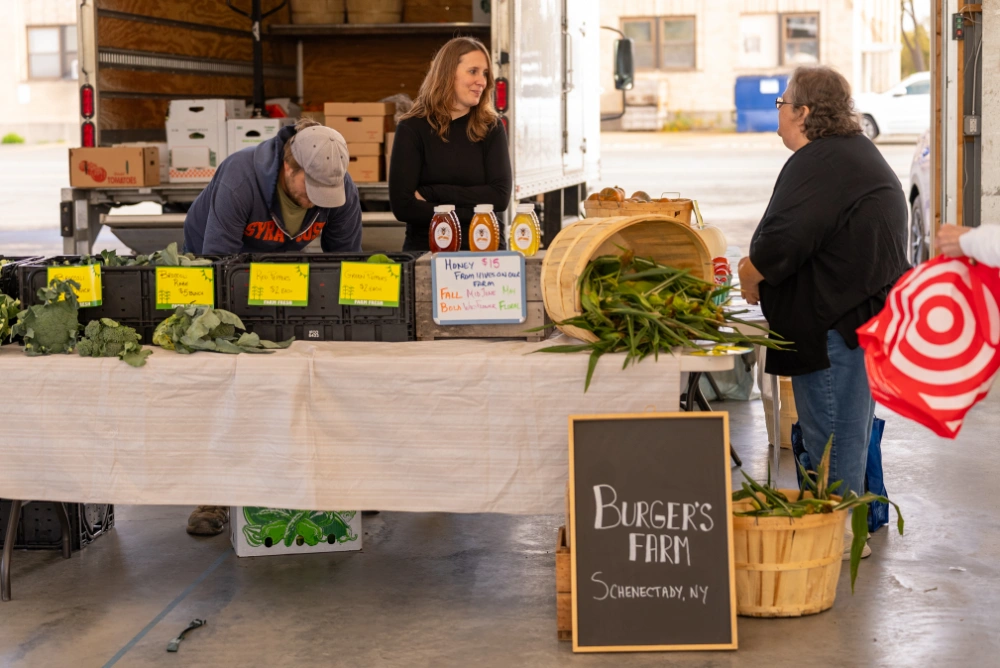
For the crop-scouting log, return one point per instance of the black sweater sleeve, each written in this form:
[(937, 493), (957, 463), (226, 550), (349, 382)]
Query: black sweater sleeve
[(404, 177), (495, 191)]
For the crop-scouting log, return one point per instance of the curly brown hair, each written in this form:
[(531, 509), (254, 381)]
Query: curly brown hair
[(828, 95)]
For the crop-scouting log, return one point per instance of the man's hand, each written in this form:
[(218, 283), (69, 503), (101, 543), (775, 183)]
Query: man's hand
[(417, 195), (947, 240), (750, 280)]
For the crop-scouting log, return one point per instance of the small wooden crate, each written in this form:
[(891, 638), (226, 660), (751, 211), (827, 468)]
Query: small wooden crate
[(680, 209), (564, 591), (428, 330)]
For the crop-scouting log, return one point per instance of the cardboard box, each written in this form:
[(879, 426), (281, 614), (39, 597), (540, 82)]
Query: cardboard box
[(363, 150), (201, 125), (362, 129), (162, 150), (186, 109), (389, 138), (359, 108), (365, 169), (317, 116), (259, 532), (123, 167), (244, 132)]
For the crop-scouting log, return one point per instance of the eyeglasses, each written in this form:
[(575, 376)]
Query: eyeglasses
[(780, 101)]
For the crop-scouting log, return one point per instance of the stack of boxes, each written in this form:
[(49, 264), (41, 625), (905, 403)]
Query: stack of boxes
[(244, 132), (368, 129), (197, 137)]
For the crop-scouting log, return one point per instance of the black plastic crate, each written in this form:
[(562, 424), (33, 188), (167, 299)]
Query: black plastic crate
[(8, 273), (39, 528), (324, 319), (128, 293)]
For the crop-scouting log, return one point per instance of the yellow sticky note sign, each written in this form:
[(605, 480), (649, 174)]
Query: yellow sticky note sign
[(89, 278), (364, 284), (279, 284), (184, 286)]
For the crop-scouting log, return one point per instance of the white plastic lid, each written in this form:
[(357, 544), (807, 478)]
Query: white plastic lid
[(484, 208), (444, 208), (526, 208)]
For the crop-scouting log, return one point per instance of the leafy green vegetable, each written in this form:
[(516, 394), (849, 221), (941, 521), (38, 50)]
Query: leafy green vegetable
[(640, 307), (107, 338), (50, 327), (191, 329), (8, 314), (168, 257), (770, 502)]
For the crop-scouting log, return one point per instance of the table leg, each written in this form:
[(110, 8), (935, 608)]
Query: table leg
[(67, 544), (8, 549), (695, 397), (776, 427)]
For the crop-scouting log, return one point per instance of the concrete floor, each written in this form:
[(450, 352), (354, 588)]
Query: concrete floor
[(460, 590)]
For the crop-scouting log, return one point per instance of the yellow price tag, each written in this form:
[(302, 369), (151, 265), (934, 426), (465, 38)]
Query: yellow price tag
[(184, 286), (364, 284), (89, 278), (279, 284)]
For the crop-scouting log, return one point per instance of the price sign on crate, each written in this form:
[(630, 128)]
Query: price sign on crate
[(364, 284), (89, 278), (479, 288), (279, 284), (184, 286)]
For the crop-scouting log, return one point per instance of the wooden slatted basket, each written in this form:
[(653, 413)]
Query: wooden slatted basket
[(787, 567), (666, 240)]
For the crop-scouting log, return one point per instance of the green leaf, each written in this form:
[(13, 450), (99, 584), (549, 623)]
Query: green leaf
[(859, 525)]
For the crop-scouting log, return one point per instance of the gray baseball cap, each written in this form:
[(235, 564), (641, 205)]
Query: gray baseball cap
[(322, 153)]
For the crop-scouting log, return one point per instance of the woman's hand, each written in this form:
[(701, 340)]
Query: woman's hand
[(750, 280), (948, 240), (417, 195)]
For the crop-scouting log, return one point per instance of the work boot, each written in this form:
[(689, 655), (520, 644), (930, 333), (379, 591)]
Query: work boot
[(208, 520)]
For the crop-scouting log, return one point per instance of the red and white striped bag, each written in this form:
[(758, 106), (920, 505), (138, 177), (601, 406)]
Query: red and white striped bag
[(931, 354)]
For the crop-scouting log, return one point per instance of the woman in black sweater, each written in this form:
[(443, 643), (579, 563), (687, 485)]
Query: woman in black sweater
[(830, 246), (451, 148)]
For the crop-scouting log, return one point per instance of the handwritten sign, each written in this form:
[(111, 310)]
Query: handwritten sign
[(278, 284), (478, 288), (651, 532), (184, 286), (365, 284), (88, 276)]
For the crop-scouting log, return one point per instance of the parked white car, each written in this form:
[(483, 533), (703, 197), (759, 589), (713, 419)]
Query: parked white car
[(920, 201), (904, 109)]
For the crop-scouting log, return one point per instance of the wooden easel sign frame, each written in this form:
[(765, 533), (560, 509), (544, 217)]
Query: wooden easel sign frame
[(651, 532)]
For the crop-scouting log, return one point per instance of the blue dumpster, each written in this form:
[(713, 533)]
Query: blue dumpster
[(755, 111)]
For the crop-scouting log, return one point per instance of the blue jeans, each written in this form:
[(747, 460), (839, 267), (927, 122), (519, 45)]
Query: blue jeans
[(837, 401)]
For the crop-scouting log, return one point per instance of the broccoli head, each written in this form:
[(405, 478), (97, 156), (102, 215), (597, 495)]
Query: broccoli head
[(51, 326), (107, 338)]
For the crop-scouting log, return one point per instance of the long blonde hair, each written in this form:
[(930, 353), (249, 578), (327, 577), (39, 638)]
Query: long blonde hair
[(437, 92)]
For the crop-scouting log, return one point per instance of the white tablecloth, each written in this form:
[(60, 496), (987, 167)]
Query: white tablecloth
[(457, 426)]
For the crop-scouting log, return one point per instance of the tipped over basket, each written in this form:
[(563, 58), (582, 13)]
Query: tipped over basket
[(787, 567), (665, 240)]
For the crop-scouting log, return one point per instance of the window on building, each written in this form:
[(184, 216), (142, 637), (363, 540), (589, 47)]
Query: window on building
[(52, 52), (800, 39), (642, 32), (677, 43), (759, 40), (666, 43)]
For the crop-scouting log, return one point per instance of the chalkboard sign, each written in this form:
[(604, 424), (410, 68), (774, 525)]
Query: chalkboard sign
[(651, 532), (479, 288)]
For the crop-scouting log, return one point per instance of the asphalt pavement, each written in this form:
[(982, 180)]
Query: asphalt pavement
[(731, 175)]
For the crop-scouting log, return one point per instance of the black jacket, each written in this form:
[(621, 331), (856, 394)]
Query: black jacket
[(830, 246)]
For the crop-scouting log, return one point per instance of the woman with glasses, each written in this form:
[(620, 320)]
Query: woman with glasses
[(829, 248)]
